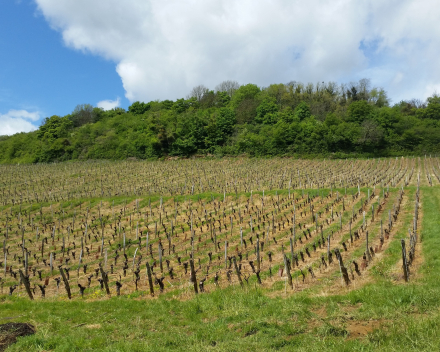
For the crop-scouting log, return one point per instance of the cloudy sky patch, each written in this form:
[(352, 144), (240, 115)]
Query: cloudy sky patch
[(86, 51), (163, 49), (15, 121), (109, 104)]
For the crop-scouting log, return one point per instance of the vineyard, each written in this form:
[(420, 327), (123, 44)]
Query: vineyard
[(157, 226), (180, 229)]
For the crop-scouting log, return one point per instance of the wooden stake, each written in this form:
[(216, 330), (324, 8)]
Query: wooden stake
[(66, 282), (25, 280), (193, 276), (150, 279)]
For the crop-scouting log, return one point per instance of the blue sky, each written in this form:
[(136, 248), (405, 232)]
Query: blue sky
[(55, 54), (38, 73)]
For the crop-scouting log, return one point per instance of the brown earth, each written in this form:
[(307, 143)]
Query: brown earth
[(10, 331)]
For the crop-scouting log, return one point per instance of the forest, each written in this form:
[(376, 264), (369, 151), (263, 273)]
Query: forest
[(294, 119)]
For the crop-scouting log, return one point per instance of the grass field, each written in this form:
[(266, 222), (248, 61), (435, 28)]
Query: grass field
[(378, 310)]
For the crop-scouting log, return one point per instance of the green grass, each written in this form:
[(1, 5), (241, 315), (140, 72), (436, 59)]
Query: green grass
[(250, 319)]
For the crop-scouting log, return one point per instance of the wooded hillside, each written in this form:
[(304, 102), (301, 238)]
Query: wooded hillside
[(283, 119)]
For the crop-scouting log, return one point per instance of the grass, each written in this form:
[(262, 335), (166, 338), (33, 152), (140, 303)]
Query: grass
[(397, 316)]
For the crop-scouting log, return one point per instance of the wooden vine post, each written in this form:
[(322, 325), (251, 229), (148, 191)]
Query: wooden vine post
[(237, 271), (25, 280), (150, 279), (193, 276), (404, 262), (105, 280), (258, 254), (66, 282), (287, 269), (342, 268), (367, 250)]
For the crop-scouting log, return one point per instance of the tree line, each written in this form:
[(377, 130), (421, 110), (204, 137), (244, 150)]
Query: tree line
[(293, 119)]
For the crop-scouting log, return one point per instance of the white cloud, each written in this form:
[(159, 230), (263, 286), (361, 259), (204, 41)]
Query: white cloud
[(164, 48), (109, 104), (15, 121)]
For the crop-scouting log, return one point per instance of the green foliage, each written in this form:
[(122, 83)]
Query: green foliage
[(267, 111), (358, 111), (167, 104), (83, 113), (332, 120), (223, 99), (287, 115), (54, 127), (138, 108), (246, 111), (302, 111), (248, 91), (114, 112), (432, 111), (182, 105), (371, 135), (225, 122), (379, 97), (292, 119)]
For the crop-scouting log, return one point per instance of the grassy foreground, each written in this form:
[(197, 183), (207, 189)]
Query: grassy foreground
[(388, 315)]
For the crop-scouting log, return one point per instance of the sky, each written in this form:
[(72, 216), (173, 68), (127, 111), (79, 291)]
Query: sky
[(56, 54)]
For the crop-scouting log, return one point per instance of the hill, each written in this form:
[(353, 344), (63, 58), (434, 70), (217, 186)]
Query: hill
[(282, 119)]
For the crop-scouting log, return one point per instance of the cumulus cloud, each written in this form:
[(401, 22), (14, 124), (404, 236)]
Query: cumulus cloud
[(109, 104), (164, 48), (15, 121)]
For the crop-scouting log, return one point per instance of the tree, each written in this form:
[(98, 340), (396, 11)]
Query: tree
[(249, 91), (371, 133), (358, 111), (266, 111), (167, 104), (208, 100), (198, 92), (225, 122), (246, 111), (82, 114), (331, 88), (281, 118), (364, 89), (222, 99), (432, 111), (379, 97), (54, 127), (286, 115), (228, 87), (302, 111), (115, 112), (360, 90), (138, 108), (98, 114), (279, 92), (182, 105), (332, 120)]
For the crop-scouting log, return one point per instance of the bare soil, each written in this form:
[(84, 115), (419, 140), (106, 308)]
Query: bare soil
[(10, 331)]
